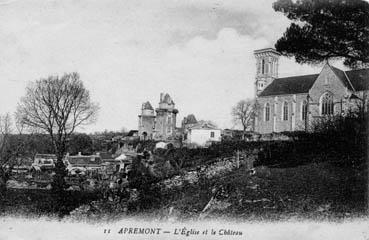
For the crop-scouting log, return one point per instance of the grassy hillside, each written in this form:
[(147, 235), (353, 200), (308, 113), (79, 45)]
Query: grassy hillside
[(316, 190)]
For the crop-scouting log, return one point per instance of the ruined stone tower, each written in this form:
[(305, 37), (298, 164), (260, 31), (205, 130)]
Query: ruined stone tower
[(166, 118), (146, 122)]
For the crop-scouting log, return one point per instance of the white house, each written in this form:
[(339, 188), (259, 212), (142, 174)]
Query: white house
[(202, 134)]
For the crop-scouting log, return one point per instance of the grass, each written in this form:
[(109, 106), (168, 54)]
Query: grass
[(320, 190), (316, 190), (39, 202)]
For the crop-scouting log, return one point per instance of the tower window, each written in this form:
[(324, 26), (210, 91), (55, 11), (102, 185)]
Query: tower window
[(285, 111), (262, 66), (267, 112)]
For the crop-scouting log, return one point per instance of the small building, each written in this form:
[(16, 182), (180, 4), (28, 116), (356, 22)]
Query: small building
[(202, 134), (233, 134), (22, 165), (83, 163), (44, 162)]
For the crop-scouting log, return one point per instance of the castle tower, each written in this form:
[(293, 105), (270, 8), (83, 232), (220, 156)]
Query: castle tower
[(166, 118), (146, 122), (266, 68)]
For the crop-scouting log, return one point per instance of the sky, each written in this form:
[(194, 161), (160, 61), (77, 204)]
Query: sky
[(129, 51)]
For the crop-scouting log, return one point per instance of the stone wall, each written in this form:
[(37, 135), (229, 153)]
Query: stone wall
[(276, 122)]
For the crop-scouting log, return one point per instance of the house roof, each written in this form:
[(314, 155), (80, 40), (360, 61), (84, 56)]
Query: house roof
[(132, 133), (84, 160), (106, 155), (359, 78), (203, 125), (290, 85), (41, 155)]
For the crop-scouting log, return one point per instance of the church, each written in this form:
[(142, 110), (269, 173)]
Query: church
[(294, 103), (158, 124)]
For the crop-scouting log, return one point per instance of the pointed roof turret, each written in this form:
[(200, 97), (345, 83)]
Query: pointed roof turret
[(147, 106), (166, 99)]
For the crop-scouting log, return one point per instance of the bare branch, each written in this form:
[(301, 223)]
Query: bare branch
[(57, 105)]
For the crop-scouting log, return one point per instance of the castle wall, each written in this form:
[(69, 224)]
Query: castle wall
[(165, 124), (146, 124)]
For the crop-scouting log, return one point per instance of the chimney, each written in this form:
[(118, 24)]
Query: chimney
[(161, 97)]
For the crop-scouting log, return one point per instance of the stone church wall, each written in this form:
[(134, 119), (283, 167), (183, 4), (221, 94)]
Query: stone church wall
[(294, 122), (327, 81)]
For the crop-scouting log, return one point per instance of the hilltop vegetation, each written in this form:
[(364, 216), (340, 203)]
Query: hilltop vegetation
[(312, 175)]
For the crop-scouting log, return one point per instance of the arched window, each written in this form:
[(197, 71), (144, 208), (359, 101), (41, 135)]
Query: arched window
[(326, 104), (285, 111), (169, 127), (267, 112), (304, 109), (262, 66)]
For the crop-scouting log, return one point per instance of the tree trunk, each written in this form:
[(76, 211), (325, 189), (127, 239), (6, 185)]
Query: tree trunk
[(59, 183), (3, 180), (244, 132)]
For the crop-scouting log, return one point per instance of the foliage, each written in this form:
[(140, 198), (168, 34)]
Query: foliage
[(325, 29), (80, 142), (43, 202), (139, 178)]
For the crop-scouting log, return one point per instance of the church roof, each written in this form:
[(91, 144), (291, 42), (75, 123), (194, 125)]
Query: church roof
[(343, 77), (290, 85), (359, 79), (147, 105)]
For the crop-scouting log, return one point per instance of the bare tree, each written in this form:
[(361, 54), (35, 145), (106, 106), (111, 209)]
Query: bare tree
[(57, 106), (244, 113), (5, 154), (12, 149)]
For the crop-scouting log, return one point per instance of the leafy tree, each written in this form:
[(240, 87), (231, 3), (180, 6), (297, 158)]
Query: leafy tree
[(325, 29), (244, 113), (80, 142), (57, 106)]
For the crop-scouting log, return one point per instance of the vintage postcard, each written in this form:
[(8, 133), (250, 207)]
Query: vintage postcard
[(166, 119)]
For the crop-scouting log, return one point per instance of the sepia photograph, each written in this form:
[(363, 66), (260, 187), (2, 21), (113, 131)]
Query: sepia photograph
[(168, 119)]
